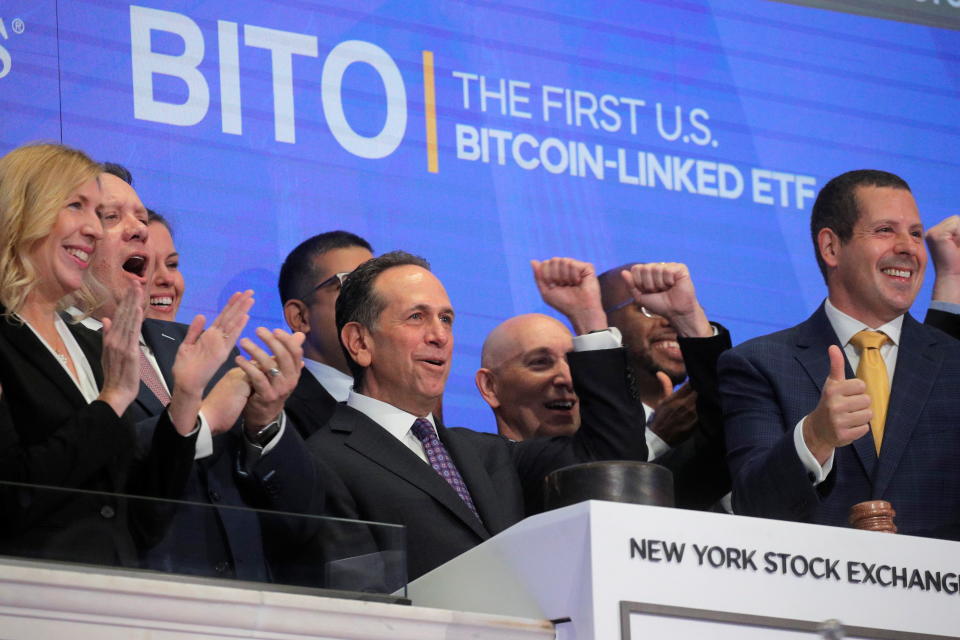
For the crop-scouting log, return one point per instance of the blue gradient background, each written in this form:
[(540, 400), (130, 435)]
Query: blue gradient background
[(787, 88)]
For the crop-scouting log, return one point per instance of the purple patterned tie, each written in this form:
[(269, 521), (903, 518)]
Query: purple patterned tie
[(441, 461)]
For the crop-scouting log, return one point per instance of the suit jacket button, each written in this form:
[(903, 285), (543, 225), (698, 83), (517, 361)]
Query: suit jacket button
[(214, 496), (222, 567), (107, 511)]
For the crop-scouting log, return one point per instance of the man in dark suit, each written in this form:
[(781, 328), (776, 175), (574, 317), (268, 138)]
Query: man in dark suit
[(525, 377), (309, 284), (257, 462), (452, 488), (805, 439)]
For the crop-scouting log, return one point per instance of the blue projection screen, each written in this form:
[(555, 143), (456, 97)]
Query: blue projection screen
[(483, 134)]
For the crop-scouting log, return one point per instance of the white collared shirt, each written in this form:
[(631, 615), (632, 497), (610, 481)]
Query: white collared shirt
[(656, 446), (846, 327), (85, 380), (396, 422), (336, 382)]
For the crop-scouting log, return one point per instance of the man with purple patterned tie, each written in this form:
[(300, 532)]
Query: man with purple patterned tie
[(394, 461)]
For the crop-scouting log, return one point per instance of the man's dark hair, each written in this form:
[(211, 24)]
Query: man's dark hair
[(298, 274), (153, 216), (836, 206), (359, 301), (118, 170)]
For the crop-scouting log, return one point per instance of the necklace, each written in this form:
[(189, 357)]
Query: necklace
[(61, 357)]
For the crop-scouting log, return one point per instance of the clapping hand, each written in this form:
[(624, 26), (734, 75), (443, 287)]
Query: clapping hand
[(272, 378), (200, 355), (120, 357)]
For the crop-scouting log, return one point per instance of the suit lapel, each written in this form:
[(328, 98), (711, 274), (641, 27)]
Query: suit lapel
[(316, 400), (91, 343), (918, 364), (29, 345), (478, 481), (815, 337), (164, 344), (374, 443)]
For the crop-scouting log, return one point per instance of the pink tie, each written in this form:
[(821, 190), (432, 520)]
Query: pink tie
[(149, 377)]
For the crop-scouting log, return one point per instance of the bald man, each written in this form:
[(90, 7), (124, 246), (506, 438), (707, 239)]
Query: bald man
[(525, 378), (533, 368)]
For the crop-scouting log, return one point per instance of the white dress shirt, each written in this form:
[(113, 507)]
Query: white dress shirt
[(85, 380), (396, 422), (336, 382), (846, 327)]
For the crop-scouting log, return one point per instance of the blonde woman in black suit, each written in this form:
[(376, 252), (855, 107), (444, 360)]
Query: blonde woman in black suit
[(65, 388)]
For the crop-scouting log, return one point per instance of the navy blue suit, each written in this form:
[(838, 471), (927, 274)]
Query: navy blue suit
[(768, 384), (220, 540)]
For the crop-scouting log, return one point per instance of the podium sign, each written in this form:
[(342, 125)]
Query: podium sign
[(618, 571)]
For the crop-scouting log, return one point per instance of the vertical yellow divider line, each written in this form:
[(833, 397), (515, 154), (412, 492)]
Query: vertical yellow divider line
[(430, 112)]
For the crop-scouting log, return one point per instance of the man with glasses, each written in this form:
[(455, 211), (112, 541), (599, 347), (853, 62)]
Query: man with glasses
[(310, 281), (655, 361), (667, 335)]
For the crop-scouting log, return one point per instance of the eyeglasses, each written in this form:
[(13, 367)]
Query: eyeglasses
[(337, 278), (627, 303)]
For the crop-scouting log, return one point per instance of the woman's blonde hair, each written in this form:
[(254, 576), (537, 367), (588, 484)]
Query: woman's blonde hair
[(35, 181)]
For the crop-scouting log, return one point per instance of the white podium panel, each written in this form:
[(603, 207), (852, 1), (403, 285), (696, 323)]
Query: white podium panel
[(587, 562), (50, 601)]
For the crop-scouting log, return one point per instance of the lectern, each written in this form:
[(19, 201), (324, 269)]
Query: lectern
[(603, 570)]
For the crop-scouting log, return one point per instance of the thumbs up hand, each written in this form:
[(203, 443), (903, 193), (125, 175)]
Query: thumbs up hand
[(843, 413)]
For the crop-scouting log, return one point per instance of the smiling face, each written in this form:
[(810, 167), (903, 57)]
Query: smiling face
[(166, 287), (407, 352), (122, 256), (649, 339), (876, 274), (526, 378), (62, 257)]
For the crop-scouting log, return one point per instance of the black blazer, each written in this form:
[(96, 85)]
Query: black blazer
[(947, 322), (699, 463), (378, 478), (50, 435), (217, 539), (310, 405)]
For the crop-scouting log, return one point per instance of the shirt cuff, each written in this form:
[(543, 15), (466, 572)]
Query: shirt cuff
[(204, 446), (815, 472), (656, 446), (253, 453), (948, 307), (608, 339)]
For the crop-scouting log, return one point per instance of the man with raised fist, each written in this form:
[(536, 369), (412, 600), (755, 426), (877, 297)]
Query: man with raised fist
[(859, 402), (530, 366)]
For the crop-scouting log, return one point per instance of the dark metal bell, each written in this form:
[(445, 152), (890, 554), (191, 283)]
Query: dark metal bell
[(614, 481)]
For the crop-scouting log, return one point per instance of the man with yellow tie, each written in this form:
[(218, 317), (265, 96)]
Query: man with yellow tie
[(860, 401)]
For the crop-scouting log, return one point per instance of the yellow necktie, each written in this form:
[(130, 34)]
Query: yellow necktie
[(873, 371)]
